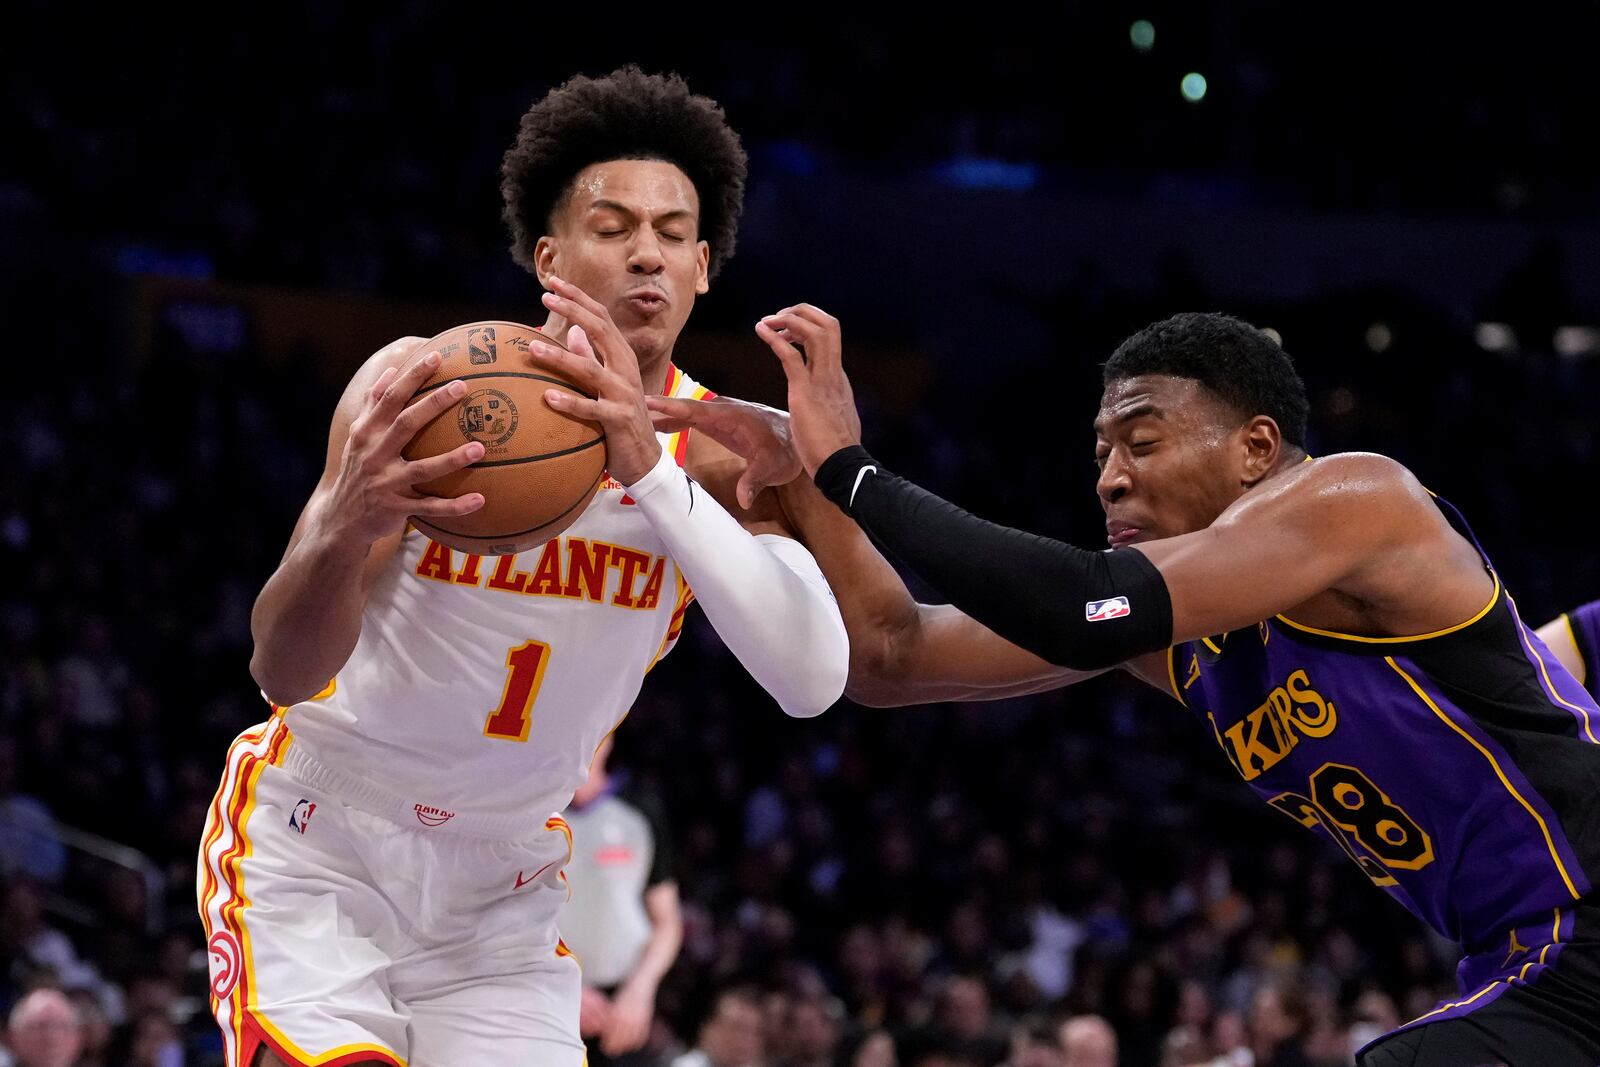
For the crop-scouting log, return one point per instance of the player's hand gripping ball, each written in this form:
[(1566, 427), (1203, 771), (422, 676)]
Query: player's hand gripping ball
[(539, 468)]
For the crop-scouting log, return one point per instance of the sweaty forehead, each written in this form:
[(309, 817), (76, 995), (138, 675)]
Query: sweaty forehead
[(647, 187), (1159, 395)]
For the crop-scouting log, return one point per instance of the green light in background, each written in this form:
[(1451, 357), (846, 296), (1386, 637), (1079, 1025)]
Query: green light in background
[(1143, 35), (1194, 88)]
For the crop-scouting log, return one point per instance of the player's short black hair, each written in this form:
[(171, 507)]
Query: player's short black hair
[(1239, 364), (627, 114)]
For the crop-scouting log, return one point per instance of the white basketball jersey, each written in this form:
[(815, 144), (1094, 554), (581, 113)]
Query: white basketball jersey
[(482, 686)]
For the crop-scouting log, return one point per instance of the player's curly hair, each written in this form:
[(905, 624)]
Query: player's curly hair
[(627, 114), (1239, 364)]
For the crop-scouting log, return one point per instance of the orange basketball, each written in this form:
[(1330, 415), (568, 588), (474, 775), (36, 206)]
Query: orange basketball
[(539, 469)]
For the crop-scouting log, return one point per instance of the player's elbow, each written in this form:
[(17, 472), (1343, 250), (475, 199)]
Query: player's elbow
[(881, 650), (824, 683), (276, 683), (871, 684)]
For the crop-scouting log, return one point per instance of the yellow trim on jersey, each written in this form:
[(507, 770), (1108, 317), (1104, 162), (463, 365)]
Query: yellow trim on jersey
[(1548, 840), (1456, 1003), (1493, 598), (327, 1057), (1172, 674), (1555, 939)]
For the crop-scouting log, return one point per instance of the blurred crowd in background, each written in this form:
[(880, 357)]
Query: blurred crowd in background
[(1063, 880)]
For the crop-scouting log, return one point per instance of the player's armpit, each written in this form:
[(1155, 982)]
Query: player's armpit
[(1558, 635)]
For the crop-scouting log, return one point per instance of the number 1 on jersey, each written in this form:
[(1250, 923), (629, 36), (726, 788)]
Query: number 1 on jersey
[(526, 663)]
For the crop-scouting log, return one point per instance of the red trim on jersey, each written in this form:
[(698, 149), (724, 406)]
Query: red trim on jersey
[(255, 1037)]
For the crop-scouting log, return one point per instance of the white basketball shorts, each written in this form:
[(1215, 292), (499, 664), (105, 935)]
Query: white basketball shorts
[(340, 935)]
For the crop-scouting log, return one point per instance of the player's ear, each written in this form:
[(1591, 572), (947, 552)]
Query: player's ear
[(1260, 443), (544, 259), (702, 272)]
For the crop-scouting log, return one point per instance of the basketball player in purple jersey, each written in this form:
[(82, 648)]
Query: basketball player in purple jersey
[(1334, 626)]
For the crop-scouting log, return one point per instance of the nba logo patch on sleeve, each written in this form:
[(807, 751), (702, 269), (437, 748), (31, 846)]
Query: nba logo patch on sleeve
[(1101, 610)]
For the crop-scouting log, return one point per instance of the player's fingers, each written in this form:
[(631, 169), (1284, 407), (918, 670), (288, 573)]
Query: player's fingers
[(581, 371), (376, 392), (667, 423), (571, 292), (404, 385), (442, 506), (578, 341), (575, 313), (681, 410), (577, 407), (426, 470), (812, 313), (794, 364), (602, 335), (748, 488), (434, 403), (816, 331)]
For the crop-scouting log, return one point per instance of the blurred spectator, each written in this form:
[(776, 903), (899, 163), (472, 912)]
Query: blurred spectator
[(44, 1031), (97, 1031), (811, 1032), (732, 1036), (25, 938), (1184, 1047), (1230, 1041), (1088, 1041), (154, 1042), (869, 1048), (965, 1020), (1279, 1023), (1034, 1044), (27, 845), (1373, 1016)]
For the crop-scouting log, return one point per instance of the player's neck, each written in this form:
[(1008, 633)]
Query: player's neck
[(653, 372)]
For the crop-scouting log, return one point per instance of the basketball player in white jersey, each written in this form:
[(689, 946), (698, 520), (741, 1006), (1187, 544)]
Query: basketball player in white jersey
[(381, 868)]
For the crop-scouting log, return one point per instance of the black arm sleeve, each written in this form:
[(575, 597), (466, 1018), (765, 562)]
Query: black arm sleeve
[(1079, 609)]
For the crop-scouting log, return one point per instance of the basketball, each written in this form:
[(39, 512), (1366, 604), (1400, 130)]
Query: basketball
[(539, 468)]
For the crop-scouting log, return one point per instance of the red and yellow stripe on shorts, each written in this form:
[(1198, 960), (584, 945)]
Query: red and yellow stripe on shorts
[(220, 885)]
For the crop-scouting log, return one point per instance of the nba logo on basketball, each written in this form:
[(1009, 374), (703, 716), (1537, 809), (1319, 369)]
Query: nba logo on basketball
[(1101, 610), (301, 815)]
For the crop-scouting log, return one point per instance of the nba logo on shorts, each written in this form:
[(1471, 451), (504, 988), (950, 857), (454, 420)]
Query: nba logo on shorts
[(1101, 610), (301, 815)]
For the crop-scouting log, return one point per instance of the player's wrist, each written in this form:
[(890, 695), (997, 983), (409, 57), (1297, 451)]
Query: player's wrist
[(660, 470), (839, 475), (333, 537)]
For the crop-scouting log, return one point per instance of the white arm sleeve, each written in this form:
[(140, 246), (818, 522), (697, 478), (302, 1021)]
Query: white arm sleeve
[(765, 595)]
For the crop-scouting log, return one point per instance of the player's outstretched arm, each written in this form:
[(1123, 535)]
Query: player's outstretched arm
[(1574, 637), (764, 593), (1358, 524), (901, 652), (308, 616)]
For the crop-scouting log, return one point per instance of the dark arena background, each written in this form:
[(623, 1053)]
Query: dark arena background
[(206, 224)]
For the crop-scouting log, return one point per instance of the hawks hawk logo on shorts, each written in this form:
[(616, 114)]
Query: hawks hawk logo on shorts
[(1101, 610), (225, 962), (301, 815)]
